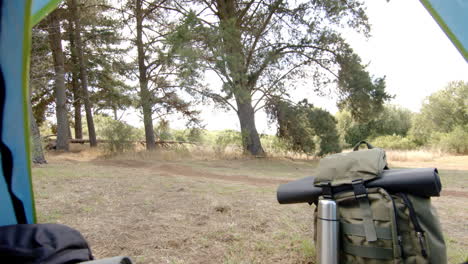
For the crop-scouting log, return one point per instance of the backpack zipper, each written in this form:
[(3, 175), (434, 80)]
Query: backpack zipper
[(417, 226)]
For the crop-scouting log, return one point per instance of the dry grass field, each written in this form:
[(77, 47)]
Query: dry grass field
[(165, 207)]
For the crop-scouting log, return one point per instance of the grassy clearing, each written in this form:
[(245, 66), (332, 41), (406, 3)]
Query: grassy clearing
[(158, 209)]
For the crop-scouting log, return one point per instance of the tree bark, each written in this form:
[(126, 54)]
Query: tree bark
[(83, 74), (145, 95), (37, 150), (250, 138), (78, 127), (55, 42), (77, 108), (116, 117)]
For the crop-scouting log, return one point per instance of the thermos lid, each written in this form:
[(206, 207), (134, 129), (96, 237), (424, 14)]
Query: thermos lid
[(327, 210)]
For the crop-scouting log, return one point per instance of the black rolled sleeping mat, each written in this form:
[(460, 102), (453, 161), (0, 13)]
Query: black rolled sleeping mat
[(422, 182)]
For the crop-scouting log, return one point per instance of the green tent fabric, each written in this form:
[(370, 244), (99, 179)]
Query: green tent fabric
[(452, 17)]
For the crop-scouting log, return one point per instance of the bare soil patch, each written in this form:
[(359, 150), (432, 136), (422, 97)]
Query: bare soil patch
[(190, 172), (455, 193), (187, 171)]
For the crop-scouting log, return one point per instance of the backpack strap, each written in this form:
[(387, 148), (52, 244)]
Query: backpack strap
[(327, 191), (368, 252), (360, 193), (369, 146), (384, 233), (356, 147)]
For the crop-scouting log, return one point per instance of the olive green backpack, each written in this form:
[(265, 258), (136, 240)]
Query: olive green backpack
[(377, 226)]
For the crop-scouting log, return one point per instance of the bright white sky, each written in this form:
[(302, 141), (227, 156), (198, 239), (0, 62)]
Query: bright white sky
[(407, 46)]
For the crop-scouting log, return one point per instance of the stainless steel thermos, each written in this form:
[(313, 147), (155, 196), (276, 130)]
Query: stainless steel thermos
[(327, 232)]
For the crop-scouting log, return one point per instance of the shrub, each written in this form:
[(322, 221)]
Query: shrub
[(455, 141), (394, 142), (120, 135), (308, 129), (195, 135), (179, 135), (162, 131), (227, 138), (276, 145)]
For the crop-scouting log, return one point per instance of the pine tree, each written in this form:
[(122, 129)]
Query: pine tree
[(55, 40), (156, 73)]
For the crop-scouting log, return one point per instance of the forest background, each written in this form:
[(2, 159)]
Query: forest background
[(171, 60)]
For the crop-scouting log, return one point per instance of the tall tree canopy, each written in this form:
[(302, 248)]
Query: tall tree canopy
[(102, 54), (260, 49), (99, 30), (149, 23)]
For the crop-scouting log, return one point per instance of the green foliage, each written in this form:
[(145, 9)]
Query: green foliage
[(225, 139), (307, 129), (162, 131), (455, 141), (362, 96), (275, 144), (40, 74), (119, 135), (441, 124), (326, 134), (392, 120), (195, 135), (45, 129), (395, 142), (442, 112)]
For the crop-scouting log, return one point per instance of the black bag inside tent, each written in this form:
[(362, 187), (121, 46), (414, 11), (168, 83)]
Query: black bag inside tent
[(42, 243), (47, 243)]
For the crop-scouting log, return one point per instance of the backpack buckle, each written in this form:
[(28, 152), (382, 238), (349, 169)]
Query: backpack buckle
[(359, 188), (327, 191)]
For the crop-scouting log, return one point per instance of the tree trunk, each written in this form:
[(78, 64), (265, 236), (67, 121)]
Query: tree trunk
[(239, 74), (37, 151), (145, 95), (250, 138), (55, 41), (83, 74), (78, 127), (69, 132), (116, 117), (77, 108)]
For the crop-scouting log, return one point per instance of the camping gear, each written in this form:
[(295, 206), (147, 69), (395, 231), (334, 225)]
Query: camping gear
[(421, 182), (385, 216), (47, 243), (327, 232), (42, 243)]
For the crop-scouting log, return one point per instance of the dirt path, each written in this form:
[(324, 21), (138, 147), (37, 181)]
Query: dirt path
[(190, 172), (454, 193), (187, 171)]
